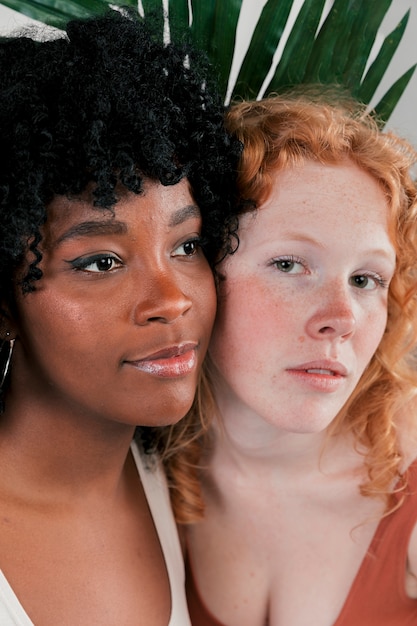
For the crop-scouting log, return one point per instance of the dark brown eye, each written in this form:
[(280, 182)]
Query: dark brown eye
[(188, 248), (96, 263)]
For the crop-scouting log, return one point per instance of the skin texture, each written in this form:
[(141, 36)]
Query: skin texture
[(302, 309), (294, 295), (113, 336), (92, 326), (109, 142)]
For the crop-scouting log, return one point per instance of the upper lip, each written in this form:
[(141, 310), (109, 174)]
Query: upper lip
[(325, 364), (166, 352)]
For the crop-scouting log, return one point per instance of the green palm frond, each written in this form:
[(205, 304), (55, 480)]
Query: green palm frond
[(300, 47), (375, 73), (334, 50), (57, 12), (259, 56), (221, 41), (179, 15)]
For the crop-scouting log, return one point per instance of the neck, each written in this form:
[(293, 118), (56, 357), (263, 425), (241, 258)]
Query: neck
[(260, 443), (252, 444)]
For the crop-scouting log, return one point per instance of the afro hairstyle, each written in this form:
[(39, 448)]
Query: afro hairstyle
[(107, 105)]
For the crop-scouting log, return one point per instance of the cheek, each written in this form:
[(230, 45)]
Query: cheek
[(204, 298), (38, 315), (370, 334), (245, 321), (52, 323), (52, 309), (376, 327)]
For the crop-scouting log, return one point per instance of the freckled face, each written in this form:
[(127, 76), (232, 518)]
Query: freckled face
[(120, 321), (304, 304)]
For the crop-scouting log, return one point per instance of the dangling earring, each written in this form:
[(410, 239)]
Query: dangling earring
[(6, 368)]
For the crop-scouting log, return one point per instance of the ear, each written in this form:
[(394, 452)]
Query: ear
[(6, 333), (8, 327)]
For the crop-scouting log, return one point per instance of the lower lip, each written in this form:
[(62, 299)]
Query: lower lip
[(326, 383), (172, 367)]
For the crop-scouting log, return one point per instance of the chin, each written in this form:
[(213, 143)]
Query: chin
[(170, 417), (307, 425)]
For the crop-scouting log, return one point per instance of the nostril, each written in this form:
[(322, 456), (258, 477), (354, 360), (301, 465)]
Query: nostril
[(158, 318)]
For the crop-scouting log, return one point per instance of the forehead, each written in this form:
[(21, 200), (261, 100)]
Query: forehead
[(315, 191), (164, 206), (340, 209)]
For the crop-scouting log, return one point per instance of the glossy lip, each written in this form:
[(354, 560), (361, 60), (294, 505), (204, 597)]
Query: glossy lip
[(324, 375), (170, 362)]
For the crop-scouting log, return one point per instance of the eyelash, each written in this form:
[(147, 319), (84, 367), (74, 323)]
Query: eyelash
[(196, 241), (379, 280), (288, 259), (82, 263)]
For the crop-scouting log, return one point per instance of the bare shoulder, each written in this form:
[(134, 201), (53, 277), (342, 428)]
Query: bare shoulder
[(104, 552)]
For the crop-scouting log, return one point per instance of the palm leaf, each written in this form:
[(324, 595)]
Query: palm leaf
[(58, 12), (156, 9), (339, 52), (223, 38), (366, 24), (291, 67), (377, 70), (328, 44), (203, 18), (350, 26), (386, 105), (213, 28), (152, 6), (179, 17), (336, 53), (262, 47)]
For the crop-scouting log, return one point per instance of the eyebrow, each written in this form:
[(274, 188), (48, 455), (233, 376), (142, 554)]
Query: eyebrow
[(382, 252), (302, 238), (296, 237), (183, 214), (292, 237), (92, 229), (115, 227)]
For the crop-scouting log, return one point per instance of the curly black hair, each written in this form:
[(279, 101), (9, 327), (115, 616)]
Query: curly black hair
[(106, 104)]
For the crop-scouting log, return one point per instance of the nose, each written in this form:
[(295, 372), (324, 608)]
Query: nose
[(334, 318), (161, 300)]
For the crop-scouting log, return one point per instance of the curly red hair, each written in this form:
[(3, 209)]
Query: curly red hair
[(281, 132)]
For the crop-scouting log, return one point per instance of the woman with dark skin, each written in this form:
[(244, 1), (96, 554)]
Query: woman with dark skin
[(116, 189)]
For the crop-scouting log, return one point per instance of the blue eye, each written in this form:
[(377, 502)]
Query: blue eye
[(97, 263), (289, 265)]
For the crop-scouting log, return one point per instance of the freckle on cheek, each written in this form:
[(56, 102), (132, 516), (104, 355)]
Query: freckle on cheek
[(301, 339)]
